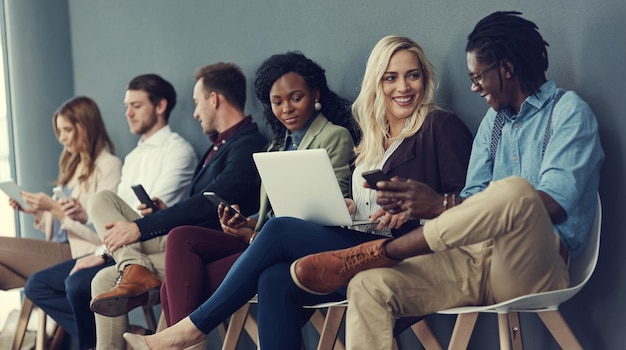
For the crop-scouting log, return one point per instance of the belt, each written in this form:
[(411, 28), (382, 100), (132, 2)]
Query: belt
[(564, 253)]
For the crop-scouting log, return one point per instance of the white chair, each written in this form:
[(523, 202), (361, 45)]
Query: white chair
[(545, 305)]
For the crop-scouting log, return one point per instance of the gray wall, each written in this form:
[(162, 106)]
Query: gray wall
[(111, 41)]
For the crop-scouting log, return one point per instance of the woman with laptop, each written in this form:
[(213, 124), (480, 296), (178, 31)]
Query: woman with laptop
[(86, 165), (405, 134), (303, 113)]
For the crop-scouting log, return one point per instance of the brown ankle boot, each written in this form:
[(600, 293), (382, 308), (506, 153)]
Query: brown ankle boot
[(136, 286), (324, 273)]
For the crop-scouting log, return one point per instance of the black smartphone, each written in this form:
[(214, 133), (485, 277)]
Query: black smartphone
[(373, 176), (143, 197), (216, 199)]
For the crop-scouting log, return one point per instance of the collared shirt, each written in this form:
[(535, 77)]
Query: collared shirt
[(569, 172), (164, 164), (218, 139), (293, 139)]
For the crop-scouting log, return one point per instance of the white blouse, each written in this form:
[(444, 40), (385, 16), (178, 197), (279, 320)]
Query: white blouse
[(365, 198)]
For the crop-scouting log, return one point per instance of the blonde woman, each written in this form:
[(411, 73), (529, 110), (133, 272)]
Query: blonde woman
[(86, 165), (405, 134)]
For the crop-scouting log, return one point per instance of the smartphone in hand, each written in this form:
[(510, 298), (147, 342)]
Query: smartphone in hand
[(58, 191), (373, 176), (216, 199), (143, 197)]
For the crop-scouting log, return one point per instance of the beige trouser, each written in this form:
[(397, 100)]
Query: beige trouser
[(21, 257), (497, 245), (106, 207)]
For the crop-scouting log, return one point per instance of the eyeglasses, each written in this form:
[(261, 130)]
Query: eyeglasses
[(478, 77)]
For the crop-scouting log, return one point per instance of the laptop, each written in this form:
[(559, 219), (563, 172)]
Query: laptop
[(302, 184)]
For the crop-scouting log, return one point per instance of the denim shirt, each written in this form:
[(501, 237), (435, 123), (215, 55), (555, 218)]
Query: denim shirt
[(569, 171), (293, 139)]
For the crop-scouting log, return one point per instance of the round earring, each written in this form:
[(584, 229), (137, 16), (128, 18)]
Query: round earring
[(318, 106)]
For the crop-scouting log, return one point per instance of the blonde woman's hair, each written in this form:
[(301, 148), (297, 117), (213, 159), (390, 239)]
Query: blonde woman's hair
[(90, 136), (369, 107)]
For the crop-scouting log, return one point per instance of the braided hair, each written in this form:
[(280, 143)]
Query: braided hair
[(504, 35), (335, 108)]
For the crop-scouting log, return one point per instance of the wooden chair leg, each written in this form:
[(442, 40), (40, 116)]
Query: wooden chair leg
[(503, 331), (221, 330), (425, 334), (40, 342), (148, 313), (235, 326), (317, 320), (559, 329), (462, 332), (22, 324), (328, 336), (56, 342), (515, 331)]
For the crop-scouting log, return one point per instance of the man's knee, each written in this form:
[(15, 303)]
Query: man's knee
[(98, 199), (510, 190)]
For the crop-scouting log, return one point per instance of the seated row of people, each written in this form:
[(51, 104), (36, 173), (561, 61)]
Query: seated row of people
[(525, 207), (214, 261), (296, 85), (399, 139)]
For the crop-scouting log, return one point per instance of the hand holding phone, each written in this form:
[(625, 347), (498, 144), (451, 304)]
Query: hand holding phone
[(216, 199), (143, 197), (373, 176)]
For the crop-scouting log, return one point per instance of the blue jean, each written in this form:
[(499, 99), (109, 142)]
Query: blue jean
[(66, 298), (264, 268)]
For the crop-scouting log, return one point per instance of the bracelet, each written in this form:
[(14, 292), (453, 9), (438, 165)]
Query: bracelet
[(456, 200), (445, 201), (251, 238)]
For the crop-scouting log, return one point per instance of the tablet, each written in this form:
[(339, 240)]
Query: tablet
[(13, 191)]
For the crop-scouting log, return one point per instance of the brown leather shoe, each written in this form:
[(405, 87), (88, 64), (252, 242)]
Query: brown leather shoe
[(324, 273), (136, 286)]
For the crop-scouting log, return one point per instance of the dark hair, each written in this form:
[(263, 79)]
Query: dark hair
[(504, 35), (157, 89), (226, 79), (334, 107)]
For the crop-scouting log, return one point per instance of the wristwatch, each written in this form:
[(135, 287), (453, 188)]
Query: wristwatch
[(103, 253)]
